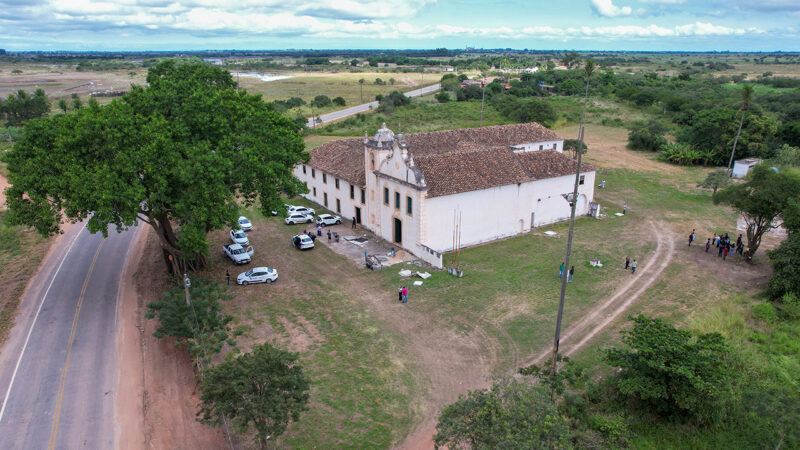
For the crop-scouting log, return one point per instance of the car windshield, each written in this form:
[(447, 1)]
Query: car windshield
[(239, 235), (249, 272), (243, 220), (306, 240)]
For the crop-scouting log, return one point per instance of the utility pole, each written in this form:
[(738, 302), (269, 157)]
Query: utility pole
[(573, 203), (483, 95)]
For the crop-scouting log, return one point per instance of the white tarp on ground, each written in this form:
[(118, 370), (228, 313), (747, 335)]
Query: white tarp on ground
[(404, 273), (423, 275), (418, 283), (550, 233)]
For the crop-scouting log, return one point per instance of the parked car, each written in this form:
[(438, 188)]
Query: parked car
[(237, 253), (285, 205), (244, 223), (257, 275), (302, 242), (301, 210), (238, 237), (328, 219), (298, 218)]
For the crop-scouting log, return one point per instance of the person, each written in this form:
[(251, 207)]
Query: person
[(228, 277), (405, 295), (740, 250), (708, 244), (719, 253), (354, 223), (400, 294), (633, 266), (627, 262), (560, 270), (691, 238), (714, 239), (319, 230), (571, 272), (602, 184), (725, 251), (329, 235), (624, 208), (313, 238), (739, 240)]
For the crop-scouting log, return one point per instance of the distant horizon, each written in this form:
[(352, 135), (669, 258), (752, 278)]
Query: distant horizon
[(410, 49), (582, 25)]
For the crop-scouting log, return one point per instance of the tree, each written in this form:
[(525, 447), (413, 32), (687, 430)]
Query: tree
[(339, 101), (187, 150), (379, 81), (321, 101), (22, 106), (264, 390), (718, 179), (648, 137), (442, 97), (529, 109), (392, 81), (201, 325), (785, 262), (354, 62), (511, 414), (76, 102), (760, 201), (361, 86), (62, 104), (668, 371), (572, 145), (570, 59), (747, 94)]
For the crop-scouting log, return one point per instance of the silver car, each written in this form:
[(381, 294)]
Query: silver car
[(257, 275)]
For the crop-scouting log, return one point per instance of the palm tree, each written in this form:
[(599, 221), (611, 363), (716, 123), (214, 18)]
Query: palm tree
[(747, 94), (588, 70)]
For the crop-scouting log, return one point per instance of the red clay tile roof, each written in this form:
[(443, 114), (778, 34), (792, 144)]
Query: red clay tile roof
[(481, 158)]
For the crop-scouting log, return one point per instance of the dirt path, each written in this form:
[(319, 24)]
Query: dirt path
[(157, 398), (3, 185), (594, 322)]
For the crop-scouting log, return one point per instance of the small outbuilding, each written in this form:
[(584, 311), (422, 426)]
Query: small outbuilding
[(743, 166)]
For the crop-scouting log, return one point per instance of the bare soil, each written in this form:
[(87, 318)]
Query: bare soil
[(62, 82), (3, 185), (158, 393)]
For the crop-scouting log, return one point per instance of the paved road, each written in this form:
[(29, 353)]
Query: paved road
[(58, 370), (342, 113)]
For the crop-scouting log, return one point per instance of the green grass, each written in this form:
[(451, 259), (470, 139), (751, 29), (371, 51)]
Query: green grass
[(420, 116)]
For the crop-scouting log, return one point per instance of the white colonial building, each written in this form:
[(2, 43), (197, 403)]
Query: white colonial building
[(503, 180)]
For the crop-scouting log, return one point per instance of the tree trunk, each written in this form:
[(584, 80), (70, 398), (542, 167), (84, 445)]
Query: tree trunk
[(735, 140), (174, 258)]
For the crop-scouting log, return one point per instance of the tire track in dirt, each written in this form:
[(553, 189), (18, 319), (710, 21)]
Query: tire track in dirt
[(606, 313), (619, 301)]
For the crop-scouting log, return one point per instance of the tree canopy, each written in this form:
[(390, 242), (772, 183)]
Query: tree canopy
[(761, 200), (670, 371), (22, 106), (511, 414), (263, 389), (186, 150)]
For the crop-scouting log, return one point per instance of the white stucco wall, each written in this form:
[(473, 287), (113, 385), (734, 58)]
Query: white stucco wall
[(543, 145), (342, 193), (499, 212), (741, 169)]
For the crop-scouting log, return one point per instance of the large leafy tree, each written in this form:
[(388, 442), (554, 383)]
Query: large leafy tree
[(717, 179), (23, 106), (761, 201), (670, 371), (511, 414), (785, 260), (179, 155), (714, 130), (263, 389)]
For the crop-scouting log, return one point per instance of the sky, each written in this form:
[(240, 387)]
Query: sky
[(637, 25)]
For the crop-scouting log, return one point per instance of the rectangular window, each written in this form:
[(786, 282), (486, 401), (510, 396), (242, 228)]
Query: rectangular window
[(352, 192), (324, 178), (581, 180), (409, 205), (325, 197), (338, 206), (363, 196), (304, 168), (541, 147), (386, 196), (336, 182), (396, 200), (313, 173), (315, 192), (555, 146)]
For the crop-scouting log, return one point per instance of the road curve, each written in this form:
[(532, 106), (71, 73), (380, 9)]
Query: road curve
[(342, 113), (58, 369)]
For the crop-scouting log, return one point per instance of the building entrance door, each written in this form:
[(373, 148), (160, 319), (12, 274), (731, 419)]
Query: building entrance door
[(358, 214), (398, 231)]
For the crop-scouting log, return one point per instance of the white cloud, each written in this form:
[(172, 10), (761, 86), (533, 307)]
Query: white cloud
[(608, 9)]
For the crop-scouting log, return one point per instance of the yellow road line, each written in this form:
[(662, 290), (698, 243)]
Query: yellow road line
[(65, 369)]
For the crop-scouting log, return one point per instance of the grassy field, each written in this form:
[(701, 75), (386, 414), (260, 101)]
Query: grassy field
[(307, 85)]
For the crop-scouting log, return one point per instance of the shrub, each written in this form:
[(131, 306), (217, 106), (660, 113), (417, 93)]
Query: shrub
[(613, 429), (648, 137), (339, 101), (442, 97), (765, 312)]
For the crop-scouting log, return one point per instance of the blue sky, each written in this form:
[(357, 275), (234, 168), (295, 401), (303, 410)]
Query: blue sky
[(644, 25)]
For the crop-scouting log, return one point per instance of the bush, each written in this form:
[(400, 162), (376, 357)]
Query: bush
[(442, 97), (339, 101), (785, 262), (790, 306), (648, 137), (321, 101), (613, 429), (682, 154), (522, 110)]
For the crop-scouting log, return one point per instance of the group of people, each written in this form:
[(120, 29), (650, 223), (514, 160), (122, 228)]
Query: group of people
[(402, 294), (630, 264), (724, 244)]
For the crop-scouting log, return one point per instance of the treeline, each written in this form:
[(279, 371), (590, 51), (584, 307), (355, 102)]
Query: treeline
[(22, 106)]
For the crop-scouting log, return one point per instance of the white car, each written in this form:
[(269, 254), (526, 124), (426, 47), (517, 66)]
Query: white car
[(301, 210), (244, 223), (302, 242), (298, 218), (238, 237), (257, 275), (328, 219)]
